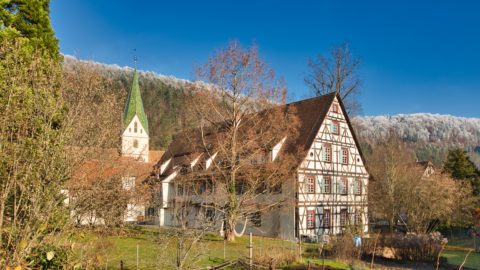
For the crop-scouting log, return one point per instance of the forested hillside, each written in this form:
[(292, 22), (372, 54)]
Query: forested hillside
[(431, 135), (162, 97)]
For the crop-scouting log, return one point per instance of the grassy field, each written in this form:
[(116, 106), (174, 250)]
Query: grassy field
[(457, 249), (156, 252), (457, 257)]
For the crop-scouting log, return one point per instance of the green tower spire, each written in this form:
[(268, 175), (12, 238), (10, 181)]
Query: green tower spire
[(134, 105)]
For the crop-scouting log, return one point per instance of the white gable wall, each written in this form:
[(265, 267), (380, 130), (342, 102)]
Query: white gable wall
[(315, 165)]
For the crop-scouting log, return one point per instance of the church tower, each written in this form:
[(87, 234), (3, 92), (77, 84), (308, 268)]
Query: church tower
[(135, 139)]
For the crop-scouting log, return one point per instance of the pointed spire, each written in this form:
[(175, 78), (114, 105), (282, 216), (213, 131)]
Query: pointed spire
[(134, 105)]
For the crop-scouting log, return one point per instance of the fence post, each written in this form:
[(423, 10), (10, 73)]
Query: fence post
[(251, 252), (475, 238), (121, 264), (137, 255), (224, 248)]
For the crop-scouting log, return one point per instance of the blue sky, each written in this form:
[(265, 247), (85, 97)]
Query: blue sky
[(417, 56)]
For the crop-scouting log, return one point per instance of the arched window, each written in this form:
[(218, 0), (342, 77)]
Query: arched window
[(135, 144), (135, 127)]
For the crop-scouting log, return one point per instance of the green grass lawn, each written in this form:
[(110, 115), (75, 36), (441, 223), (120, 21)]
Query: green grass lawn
[(457, 257), (157, 252), (463, 242), (457, 249)]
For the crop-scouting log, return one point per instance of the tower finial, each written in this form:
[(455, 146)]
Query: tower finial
[(135, 58)]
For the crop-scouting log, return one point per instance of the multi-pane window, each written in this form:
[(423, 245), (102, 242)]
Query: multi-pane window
[(358, 217), (344, 155), (326, 218), (357, 187), (135, 144), (256, 219), (343, 186), (335, 127), (210, 214), (310, 219), (343, 217), (327, 184), (335, 108), (310, 184), (327, 153), (128, 183)]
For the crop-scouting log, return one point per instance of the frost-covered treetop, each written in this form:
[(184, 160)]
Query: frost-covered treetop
[(422, 127)]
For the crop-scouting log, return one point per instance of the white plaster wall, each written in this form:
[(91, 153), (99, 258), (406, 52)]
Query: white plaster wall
[(134, 212), (129, 136)]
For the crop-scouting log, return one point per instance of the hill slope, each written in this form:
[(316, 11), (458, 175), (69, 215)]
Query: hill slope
[(429, 134)]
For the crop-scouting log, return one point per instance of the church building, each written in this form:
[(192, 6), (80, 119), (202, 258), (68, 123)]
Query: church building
[(133, 164), (135, 139)]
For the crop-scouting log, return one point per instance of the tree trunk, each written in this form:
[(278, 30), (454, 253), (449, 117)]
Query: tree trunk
[(230, 229)]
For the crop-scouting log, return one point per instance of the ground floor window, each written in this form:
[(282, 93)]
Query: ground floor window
[(358, 186), (358, 218), (210, 214), (343, 187), (326, 218), (150, 211), (310, 219), (256, 219), (343, 217)]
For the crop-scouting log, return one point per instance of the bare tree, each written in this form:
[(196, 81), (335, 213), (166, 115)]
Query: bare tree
[(94, 111), (435, 199), (193, 219), (399, 192), (239, 123), (391, 167), (100, 188), (336, 72)]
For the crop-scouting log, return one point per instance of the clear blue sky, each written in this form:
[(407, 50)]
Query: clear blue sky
[(417, 56)]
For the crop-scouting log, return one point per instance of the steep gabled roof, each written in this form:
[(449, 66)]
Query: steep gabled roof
[(310, 114), (134, 105)]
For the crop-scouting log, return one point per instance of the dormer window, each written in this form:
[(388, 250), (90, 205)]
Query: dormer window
[(135, 127)]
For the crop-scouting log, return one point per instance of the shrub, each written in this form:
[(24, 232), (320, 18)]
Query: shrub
[(48, 257), (410, 246), (418, 247), (343, 247), (276, 256)]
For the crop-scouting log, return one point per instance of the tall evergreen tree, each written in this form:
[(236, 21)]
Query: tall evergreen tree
[(461, 167), (30, 19), (34, 132)]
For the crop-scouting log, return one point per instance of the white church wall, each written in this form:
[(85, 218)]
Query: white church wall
[(135, 140)]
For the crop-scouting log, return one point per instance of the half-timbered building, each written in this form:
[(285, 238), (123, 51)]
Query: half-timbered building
[(328, 187)]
